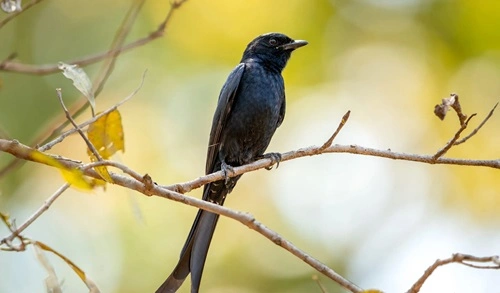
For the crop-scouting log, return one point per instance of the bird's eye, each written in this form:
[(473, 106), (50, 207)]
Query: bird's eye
[(273, 42)]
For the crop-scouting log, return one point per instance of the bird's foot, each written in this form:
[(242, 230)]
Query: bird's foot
[(275, 159), (226, 169)]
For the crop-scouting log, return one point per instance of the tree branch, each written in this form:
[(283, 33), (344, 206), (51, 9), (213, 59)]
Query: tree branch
[(146, 186), (76, 127), (477, 128), (35, 215), (80, 106), (317, 150), (60, 138), (12, 66), (112, 55), (463, 259), (339, 128)]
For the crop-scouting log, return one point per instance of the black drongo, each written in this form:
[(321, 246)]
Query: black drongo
[(251, 106)]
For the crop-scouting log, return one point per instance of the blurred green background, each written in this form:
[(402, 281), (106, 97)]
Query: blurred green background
[(376, 221)]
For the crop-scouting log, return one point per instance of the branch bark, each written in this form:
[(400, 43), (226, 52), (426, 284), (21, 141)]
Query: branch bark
[(16, 67), (145, 187), (174, 192), (464, 259)]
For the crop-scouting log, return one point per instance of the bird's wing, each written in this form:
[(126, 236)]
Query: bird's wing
[(224, 105), (282, 110)]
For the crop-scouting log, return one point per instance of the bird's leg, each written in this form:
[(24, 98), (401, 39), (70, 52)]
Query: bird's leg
[(275, 159), (225, 168)]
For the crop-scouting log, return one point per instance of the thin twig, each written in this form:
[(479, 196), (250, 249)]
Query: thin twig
[(68, 116), (321, 287), (79, 107), (14, 15), (463, 259), (118, 41), (341, 124), (8, 65), (35, 215), (477, 128), (117, 165), (450, 143), (60, 138), (441, 110), (108, 66), (16, 67), (252, 223), (65, 134)]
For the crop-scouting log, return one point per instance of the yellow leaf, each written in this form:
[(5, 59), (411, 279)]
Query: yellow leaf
[(98, 183), (72, 176), (101, 170), (106, 134)]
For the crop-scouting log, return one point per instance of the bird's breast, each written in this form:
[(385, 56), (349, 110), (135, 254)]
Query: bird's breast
[(254, 115)]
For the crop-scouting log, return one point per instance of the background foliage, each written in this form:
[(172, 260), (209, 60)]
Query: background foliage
[(379, 222)]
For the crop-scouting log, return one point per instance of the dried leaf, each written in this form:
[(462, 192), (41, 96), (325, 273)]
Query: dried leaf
[(81, 274), (51, 282), (80, 80), (72, 176), (5, 218)]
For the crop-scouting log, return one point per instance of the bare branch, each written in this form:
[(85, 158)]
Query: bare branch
[(341, 124), (68, 116), (450, 143), (151, 189), (146, 188), (321, 287), (477, 128), (145, 185), (20, 151), (8, 65), (117, 165), (60, 138), (316, 150), (463, 259), (79, 107), (35, 215), (453, 103), (123, 31), (12, 66), (108, 66)]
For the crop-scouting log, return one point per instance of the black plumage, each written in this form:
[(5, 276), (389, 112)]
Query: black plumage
[(251, 106)]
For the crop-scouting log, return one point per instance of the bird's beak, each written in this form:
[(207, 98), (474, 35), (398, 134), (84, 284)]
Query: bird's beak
[(293, 45)]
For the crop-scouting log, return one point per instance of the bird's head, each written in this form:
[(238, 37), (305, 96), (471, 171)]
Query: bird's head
[(273, 49)]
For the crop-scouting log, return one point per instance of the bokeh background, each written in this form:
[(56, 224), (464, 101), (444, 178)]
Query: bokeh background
[(378, 222)]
